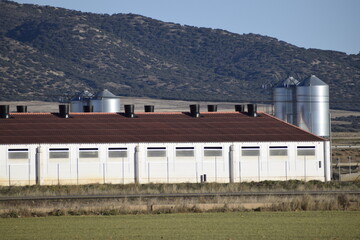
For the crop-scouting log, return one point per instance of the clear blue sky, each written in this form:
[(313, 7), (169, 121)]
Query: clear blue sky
[(323, 24)]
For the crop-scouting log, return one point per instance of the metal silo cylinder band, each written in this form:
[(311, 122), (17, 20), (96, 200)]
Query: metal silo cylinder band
[(312, 96)]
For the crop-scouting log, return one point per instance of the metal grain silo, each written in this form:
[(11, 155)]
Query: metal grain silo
[(105, 101), (284, 96), (80, 101), (312, 96)]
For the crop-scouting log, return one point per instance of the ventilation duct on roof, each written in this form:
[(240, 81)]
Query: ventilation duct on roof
[(4, 111), (240, 108), (21, 109), (252, 110), (88, 108), (195, 110), (64, 111), (212, 108), (149, 108), (129, 111)]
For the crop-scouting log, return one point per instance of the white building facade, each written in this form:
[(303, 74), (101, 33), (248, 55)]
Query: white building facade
[(123, 163)]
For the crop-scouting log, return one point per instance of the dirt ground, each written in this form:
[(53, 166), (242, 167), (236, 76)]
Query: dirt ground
[(342, 155), (343, 113)]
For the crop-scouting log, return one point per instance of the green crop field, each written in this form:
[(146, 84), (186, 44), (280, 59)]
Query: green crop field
[(240, 225)]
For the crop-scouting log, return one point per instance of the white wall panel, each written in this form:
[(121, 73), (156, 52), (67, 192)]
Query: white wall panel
[(163, 169)]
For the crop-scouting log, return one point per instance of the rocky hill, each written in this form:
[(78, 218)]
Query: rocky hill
[(47, 53)]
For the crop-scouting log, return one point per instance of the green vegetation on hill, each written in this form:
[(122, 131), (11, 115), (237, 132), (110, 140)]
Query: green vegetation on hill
[(48, 52)]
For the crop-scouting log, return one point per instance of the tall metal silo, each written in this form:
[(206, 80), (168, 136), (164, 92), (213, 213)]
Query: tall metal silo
[(312, 96), (105, 101), (81, 100), (284, 96)]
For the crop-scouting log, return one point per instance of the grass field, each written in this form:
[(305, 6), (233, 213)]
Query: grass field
[(243, 225)]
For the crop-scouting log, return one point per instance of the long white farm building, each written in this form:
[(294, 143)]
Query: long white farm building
[(154, 147)]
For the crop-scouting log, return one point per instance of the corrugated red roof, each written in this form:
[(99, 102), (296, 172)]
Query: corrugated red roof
[(32, 128)]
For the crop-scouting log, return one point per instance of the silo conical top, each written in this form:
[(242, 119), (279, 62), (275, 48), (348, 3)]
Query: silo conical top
[(105, 94), (312, 81), (289, 82)]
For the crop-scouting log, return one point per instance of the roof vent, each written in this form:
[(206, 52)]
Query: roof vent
[(21, 109), (195, 110), (212, 108), (252, 110), (240, 108), (149, 108), (88, 108), (4, 111), (64, 111), (129, 111)]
